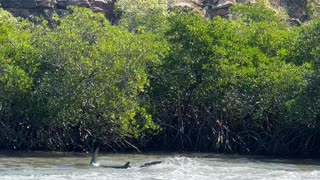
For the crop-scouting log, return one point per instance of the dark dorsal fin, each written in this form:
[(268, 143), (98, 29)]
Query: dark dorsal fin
[(94, 157)]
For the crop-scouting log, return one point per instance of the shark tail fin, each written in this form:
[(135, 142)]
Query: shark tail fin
[(94, 157), (151, 163), (127, 165)]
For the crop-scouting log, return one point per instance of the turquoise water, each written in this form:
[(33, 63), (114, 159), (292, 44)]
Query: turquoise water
[(51, 166)]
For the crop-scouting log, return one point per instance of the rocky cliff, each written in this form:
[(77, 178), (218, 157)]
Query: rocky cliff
[(297, 9), (27, 8), (301, 10)]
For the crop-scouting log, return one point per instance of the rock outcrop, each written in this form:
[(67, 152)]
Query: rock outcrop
[(214, 8), (209, 8), (27, 8)]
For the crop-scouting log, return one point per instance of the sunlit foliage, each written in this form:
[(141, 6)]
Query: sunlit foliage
[(142, 15), (247, 84), (86, 84)]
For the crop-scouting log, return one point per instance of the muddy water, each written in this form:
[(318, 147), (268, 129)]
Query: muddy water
[(52, 166)]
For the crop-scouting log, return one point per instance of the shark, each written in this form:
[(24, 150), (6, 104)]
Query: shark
[(94, 162)]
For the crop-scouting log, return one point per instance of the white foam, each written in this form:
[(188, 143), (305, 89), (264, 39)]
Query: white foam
[(176, 168)]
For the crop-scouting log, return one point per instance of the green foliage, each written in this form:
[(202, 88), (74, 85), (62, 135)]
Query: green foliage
[(15, 50), (306, 46), (82, 81), (208, 59), (254, 12), (313, 8), (17, 66), (143, 15), (97, 75), (141, 6), (305, 52), (225, 77), (245, 84)]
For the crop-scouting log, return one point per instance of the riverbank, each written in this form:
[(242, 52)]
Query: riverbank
[(165, 79)]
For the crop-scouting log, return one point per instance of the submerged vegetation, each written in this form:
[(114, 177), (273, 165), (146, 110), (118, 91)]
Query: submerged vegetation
[(161, 80)]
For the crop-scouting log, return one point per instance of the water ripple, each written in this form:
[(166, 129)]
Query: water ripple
[(173, 167)]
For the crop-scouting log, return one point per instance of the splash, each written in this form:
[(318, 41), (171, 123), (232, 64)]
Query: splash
[(173, 167)]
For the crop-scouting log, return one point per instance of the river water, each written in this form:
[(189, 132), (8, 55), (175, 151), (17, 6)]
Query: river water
[(55, 166)]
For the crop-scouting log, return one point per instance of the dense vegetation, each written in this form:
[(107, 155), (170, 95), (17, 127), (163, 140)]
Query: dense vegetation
[(162, 81)]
